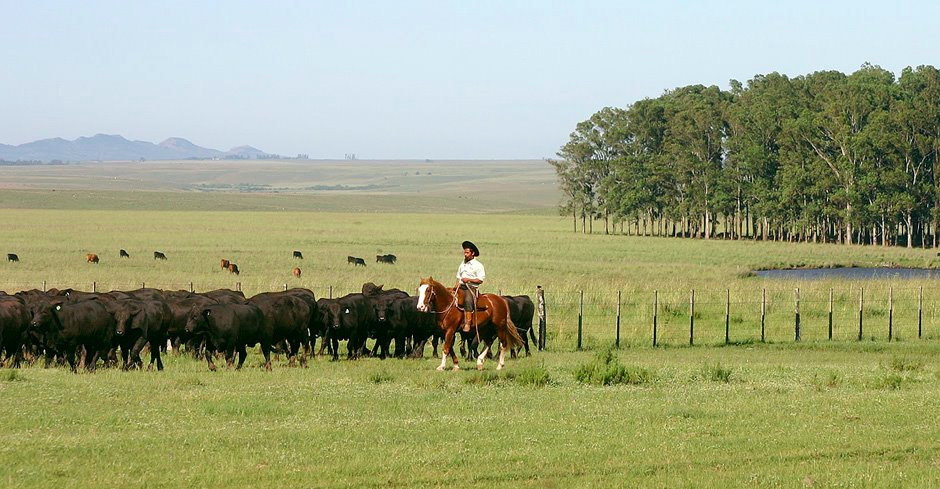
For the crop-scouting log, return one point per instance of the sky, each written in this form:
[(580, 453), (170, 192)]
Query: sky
[(406, 79)]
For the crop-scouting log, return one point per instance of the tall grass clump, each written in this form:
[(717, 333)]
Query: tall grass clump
[(606, 369), (716, 373), (905, 364)]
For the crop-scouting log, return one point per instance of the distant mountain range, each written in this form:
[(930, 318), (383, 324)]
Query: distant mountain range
[(106, 147)]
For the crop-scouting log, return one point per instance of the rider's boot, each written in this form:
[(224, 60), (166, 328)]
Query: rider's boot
[(467, 321)]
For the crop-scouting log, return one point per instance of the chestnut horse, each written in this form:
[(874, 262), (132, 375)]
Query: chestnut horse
[(491, 316)]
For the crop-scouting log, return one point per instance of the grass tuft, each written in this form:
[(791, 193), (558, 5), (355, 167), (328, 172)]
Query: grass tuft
[(716, 373), (906, 364), (380, 377), (830, 380), (12, 375), (606, 369)]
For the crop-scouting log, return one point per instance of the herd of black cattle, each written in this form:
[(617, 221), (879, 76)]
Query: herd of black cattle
[(85, 328)]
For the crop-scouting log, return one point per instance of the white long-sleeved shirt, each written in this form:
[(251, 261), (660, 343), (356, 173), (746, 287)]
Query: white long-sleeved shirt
[(471, 269)]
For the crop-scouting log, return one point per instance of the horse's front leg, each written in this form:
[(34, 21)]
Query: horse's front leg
[(449, 349), (482, 356)]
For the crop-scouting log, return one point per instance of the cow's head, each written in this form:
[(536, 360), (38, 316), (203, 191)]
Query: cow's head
[(125, 316), (198, 320)]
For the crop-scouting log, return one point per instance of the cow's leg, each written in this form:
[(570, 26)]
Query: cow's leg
[(266, 351), (230, 356), (155, 355), (135, 352), (209, 355), (334, 345), (70, 357), (242, 355), (306, 353)]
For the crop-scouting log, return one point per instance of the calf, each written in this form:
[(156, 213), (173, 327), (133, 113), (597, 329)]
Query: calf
[(231, 328), (296, 272), (91, 258), (12, 257), (233, 268), (158, 256), (124, 254), (299, 255), (355, 261), (225, 263)]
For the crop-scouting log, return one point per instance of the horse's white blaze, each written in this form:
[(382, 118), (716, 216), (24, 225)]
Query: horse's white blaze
[(422, 290), (482, 356)]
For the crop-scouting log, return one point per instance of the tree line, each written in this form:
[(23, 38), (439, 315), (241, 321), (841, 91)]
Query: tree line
[(825, 157)]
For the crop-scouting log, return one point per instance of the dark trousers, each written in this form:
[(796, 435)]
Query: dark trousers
[(469, 297)]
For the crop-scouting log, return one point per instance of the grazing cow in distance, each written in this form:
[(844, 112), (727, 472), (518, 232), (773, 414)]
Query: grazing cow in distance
[(298, 254), (91, 258), (158, 256), (124, 254), (390, 259), (355, 261), (296, 272), (233, 268), (12, 257), (225, 263)]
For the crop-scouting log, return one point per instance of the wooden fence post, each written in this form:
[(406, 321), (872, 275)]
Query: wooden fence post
[(285, 287), (580, 316), (655, 313), (728, 316), (830, 313), (331, 292), (94, 286), (763, 312), (43, 285), (692, 317), (861, 307), (890, 314), (920, 312), (540, 307), (618, 320), (192, 288), (796, 332)]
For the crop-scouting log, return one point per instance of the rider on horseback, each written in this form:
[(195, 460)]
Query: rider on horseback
[(470, 274)]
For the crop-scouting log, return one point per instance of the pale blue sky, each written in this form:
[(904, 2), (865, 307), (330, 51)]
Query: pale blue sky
[(408, 79)]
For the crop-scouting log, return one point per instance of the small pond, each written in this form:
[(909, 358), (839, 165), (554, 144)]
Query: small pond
[(849, 273)]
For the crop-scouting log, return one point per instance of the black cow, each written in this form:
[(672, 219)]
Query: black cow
[(390, 259), (12, 257), (14, 320), (381, 302), (66, 326), (226, 296), (140, 322), (158, 255), (290, 317), (181, 306), (355, 261), (125, 255), (298, 254), (521, 311), (231, 328), (409, 327), (350, 317)]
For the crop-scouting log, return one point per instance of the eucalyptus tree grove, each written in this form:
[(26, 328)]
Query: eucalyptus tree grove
[(824, 157)]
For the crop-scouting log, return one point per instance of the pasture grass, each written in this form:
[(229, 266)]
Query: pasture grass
[(836, 415)]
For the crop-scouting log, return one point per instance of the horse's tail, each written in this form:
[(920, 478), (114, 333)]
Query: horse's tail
[(515, 341)]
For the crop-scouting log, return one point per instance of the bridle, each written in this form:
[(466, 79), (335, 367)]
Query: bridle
[(431, 295)]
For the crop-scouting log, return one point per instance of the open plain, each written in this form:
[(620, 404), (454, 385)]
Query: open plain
[(779, 413)]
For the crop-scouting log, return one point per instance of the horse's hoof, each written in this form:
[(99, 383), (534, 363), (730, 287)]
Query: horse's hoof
[(479, 366), (440, 369), (456, 368), (499, 367)]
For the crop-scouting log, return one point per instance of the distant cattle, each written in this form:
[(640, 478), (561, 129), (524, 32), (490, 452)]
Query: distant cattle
[(12, 257), (233, 268), (298, 254), (124, 254), (355, 261), (91, 258), (158, 256), (225, 263), (296, 272), (390, 259)]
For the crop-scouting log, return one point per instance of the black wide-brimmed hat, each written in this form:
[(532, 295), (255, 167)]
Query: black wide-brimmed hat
[(472, 247)]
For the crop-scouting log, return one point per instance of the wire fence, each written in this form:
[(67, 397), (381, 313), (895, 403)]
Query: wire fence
[(591, 319)]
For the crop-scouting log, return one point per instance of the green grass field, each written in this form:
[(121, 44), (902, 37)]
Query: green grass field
[(780, 414)]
